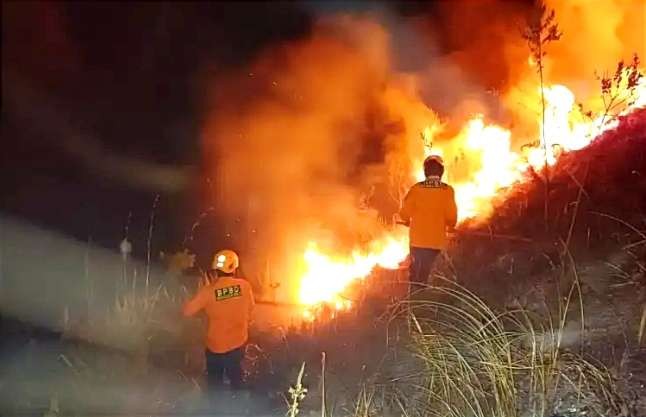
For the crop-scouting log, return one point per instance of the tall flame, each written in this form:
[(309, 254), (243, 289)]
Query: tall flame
[(489, 145), (318, 141)]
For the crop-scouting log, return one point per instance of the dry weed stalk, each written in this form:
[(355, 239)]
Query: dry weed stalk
[(323, 393), (542, 30), (618, 91), (642, 325), (297, 394), (151, 226)]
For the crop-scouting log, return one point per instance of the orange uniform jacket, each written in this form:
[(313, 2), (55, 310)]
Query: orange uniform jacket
[(430, 208), (228, 303)]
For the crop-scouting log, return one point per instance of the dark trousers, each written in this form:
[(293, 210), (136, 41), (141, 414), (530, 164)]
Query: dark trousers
[(217, 364), (421, 264)]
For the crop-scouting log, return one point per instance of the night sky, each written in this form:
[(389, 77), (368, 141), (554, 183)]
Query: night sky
[(125, 76)]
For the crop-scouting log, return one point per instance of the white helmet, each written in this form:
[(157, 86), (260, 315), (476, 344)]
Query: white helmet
[(226, 261)]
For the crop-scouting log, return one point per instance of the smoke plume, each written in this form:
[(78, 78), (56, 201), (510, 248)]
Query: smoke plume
[(318, 139)]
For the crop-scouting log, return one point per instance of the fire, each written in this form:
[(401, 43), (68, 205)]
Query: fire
[(499, 167), (564, 129), (316, 124), (326, 277)]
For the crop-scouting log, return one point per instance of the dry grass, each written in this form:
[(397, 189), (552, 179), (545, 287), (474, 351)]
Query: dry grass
[(474, 361), (479, 362), (365, 403), (642, 325)]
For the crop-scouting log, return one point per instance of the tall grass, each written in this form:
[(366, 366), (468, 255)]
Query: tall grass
[(481, 363)]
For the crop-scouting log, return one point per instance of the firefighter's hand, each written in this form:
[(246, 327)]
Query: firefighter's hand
[(397, 219)]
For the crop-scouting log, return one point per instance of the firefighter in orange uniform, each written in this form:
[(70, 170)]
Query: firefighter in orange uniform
[(228, 303), (429, 210)]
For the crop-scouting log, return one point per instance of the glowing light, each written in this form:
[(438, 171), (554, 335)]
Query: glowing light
[(326, 277), (499, 167), (308, 315)]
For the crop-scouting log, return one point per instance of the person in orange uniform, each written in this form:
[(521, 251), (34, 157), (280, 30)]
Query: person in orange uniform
[(228, 303), (429, 210)]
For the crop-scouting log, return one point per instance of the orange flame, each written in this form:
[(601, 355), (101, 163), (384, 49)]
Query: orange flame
[(326, 277), (305, 112), (489, 147)]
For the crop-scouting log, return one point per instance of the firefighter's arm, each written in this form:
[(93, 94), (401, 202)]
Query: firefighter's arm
[(196, 304), (406, 208), (451, 214)]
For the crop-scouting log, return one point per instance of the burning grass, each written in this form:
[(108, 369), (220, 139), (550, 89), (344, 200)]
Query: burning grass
[(542, 323), (520, 333), (529, 343), (519, 329), (320, 153), (547, 325)]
